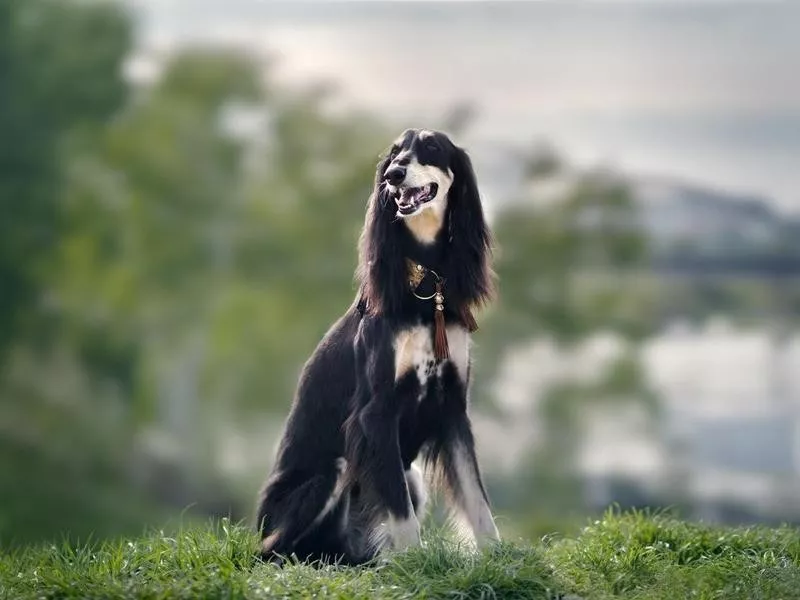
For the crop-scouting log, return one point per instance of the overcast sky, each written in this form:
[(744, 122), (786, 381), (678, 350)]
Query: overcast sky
[(706, 91)]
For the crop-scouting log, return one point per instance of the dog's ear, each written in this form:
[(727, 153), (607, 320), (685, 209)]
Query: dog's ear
[(469, 275), (381, 268)]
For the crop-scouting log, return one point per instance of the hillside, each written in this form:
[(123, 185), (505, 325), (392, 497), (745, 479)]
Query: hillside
[(621, 556), (702, 221)]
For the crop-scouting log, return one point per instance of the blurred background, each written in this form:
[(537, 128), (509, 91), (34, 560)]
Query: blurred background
[(182, 183)]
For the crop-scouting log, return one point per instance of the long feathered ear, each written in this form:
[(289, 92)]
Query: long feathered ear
[(469, 275), (381, 269)]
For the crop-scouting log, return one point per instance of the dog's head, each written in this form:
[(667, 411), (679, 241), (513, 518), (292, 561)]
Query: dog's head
[(419, 172), (426, 184), (426, 181)]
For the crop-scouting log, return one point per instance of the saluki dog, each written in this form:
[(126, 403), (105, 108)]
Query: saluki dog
[(389, 382)]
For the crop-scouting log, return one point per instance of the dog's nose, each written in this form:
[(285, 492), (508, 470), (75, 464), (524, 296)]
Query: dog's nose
[(395, 175)]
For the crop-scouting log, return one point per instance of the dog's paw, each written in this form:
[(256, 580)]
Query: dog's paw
[(484, 538), (404, 533), (483, 542)]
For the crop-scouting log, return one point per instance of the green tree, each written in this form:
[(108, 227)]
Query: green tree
[(51, 82), (203, 264), (560, 249), (60, 78)]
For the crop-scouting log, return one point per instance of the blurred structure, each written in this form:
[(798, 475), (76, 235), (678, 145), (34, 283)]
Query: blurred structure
[(182, 197)]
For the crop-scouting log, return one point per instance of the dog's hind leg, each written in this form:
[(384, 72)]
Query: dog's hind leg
[(293, 504), (334, 499)]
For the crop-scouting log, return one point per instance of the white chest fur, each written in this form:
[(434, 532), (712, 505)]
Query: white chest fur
[(413, 349)]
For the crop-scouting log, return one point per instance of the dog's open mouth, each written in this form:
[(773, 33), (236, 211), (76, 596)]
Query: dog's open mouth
[(409, 199)]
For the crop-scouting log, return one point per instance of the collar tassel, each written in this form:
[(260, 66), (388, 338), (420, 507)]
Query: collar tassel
[(416, 273), (441, 349)]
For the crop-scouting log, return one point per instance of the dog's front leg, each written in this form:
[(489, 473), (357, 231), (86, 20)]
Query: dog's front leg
[(466, 485), (384, 477), (373, 443), (455, 458)]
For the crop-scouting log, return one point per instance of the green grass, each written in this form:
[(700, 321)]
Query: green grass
[(631, 555)]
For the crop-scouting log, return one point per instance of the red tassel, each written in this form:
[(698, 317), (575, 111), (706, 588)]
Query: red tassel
[(441, 349), (469, 320)]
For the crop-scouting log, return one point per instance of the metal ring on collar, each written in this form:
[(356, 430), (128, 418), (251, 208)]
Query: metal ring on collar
[(438, 280)]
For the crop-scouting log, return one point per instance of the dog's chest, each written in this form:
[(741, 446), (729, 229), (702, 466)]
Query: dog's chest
[(413, 351)]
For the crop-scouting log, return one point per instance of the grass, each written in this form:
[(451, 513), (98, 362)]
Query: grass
[(630, 555)]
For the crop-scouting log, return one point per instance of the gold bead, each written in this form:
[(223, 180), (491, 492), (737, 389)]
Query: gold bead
[(438, 298), (419, 267), (439, 307)]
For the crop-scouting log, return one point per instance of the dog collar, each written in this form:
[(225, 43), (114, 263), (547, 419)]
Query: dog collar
[(416, 274)]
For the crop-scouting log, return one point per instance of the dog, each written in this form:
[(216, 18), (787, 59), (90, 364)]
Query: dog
[(388, 383)]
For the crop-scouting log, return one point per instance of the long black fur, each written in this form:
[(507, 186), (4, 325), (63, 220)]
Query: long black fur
[(353, 431)]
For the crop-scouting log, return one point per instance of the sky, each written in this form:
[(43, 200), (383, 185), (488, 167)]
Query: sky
[(701, 91)]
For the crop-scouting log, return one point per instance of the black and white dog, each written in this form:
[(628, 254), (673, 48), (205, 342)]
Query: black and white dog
[(389, 381)]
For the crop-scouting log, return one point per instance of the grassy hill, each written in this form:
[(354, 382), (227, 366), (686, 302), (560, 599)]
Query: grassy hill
[(629, 555)]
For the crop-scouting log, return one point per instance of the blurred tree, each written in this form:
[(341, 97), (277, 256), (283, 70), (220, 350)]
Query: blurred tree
[(560, 248), (153, 205), (564, 249), (51, 82), (212, 241), (60, 76)]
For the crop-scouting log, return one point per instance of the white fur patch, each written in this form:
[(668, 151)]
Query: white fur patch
[(428, 220), (458, 340), (425, 225), (413, 349)]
